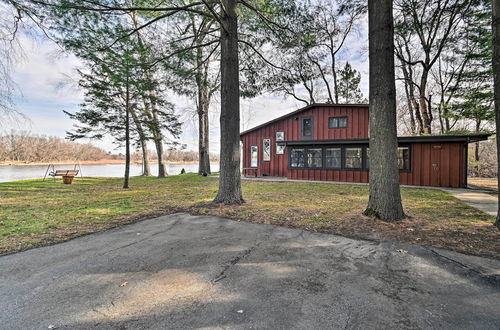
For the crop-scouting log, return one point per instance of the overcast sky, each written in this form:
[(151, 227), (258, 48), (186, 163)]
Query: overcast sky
[(46, 80)]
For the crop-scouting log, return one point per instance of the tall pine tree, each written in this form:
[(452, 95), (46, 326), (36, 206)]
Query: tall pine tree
[(349, 80)]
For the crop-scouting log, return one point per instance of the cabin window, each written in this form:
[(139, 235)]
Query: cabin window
[(254, 156), (314, 158), (297, 158), (266, 149), (280, 149), (353, 159), (337, 122), (333, 158), (404, 158), (307, 128)]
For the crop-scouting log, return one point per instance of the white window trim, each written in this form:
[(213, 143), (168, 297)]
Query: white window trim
[(257, 156)]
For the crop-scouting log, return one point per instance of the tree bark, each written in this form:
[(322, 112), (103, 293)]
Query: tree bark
[(423, 104), (335, 80), (204, 96), (203, 138), (496, 77), (146, 168), (385, 197), (157, 135), (127, 135), (230, 177)]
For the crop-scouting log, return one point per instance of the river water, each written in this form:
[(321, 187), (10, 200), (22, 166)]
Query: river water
[(25, 172)]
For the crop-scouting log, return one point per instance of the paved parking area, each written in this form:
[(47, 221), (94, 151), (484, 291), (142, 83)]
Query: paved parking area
[(182, 272)]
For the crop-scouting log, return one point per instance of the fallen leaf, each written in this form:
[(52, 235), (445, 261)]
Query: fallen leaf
[(123, 284)]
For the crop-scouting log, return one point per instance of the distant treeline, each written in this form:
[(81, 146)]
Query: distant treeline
[(176, 155), (23, 147), (27, 148)]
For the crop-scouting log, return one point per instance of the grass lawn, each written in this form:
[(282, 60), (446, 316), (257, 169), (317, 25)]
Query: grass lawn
[(35, 213)]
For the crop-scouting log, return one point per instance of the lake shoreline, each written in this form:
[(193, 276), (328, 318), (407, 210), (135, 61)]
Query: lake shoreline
[(93, 162)]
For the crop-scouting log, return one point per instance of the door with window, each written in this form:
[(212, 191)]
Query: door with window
[(436, 165), (307, 128)]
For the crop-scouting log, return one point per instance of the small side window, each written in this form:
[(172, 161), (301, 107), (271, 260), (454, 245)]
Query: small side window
[(404, 158), (266, 149), (254, 156)]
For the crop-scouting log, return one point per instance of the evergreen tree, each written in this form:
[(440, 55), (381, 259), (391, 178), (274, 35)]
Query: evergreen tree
[(349, 80)]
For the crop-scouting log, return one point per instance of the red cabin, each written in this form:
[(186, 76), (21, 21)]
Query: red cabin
[(329, 142)]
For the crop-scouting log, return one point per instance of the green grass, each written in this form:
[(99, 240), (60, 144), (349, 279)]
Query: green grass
[(35, 213)]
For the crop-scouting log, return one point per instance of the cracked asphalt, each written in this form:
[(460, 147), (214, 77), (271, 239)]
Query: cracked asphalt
[(184, 272)]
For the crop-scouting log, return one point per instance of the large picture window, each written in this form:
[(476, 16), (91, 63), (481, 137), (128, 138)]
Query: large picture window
[(297, 158), (307, 128), (337, 122), (266, 150), (353, 158), (254, 156), (314, 158), (403, 158), (350, 157), (333, 158)]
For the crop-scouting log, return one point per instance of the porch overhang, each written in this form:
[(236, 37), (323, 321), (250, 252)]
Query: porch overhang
[(471, 138)]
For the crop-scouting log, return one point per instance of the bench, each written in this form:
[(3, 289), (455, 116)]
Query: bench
[(249, 169), (67, 175)]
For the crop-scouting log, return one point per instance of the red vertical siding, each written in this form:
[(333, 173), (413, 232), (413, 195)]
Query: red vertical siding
[(449, 158)]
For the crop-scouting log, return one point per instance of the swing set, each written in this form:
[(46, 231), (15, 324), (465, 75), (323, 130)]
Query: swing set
[(67, 175)]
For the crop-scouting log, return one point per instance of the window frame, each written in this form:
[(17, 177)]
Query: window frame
[(322, 150), (364, 156), (280, 148), (290, 152), (306, 137), (251, 156), (264, 159), (410, 153), (341, 158), (331, 119), (361, 168)]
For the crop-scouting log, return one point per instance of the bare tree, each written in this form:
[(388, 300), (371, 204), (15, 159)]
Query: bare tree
[(430, 25), (385, 197)]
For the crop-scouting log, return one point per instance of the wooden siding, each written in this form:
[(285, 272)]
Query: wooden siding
[(291, 126), (432, 164)]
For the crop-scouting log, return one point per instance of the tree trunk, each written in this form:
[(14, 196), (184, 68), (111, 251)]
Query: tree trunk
[(162, 172), (203, 138), (127, 136), (230, 177), (496, 77), (204, 96), (385, 197), (146, 168), (157, 135), (423, 104), (334, 74)]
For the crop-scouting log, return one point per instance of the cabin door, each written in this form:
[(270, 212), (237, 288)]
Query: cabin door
[(436, 165)]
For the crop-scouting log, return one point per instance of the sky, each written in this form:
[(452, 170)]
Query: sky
[(47, 85)]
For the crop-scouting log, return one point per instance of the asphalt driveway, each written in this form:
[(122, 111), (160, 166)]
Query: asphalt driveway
[(180, 271)]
